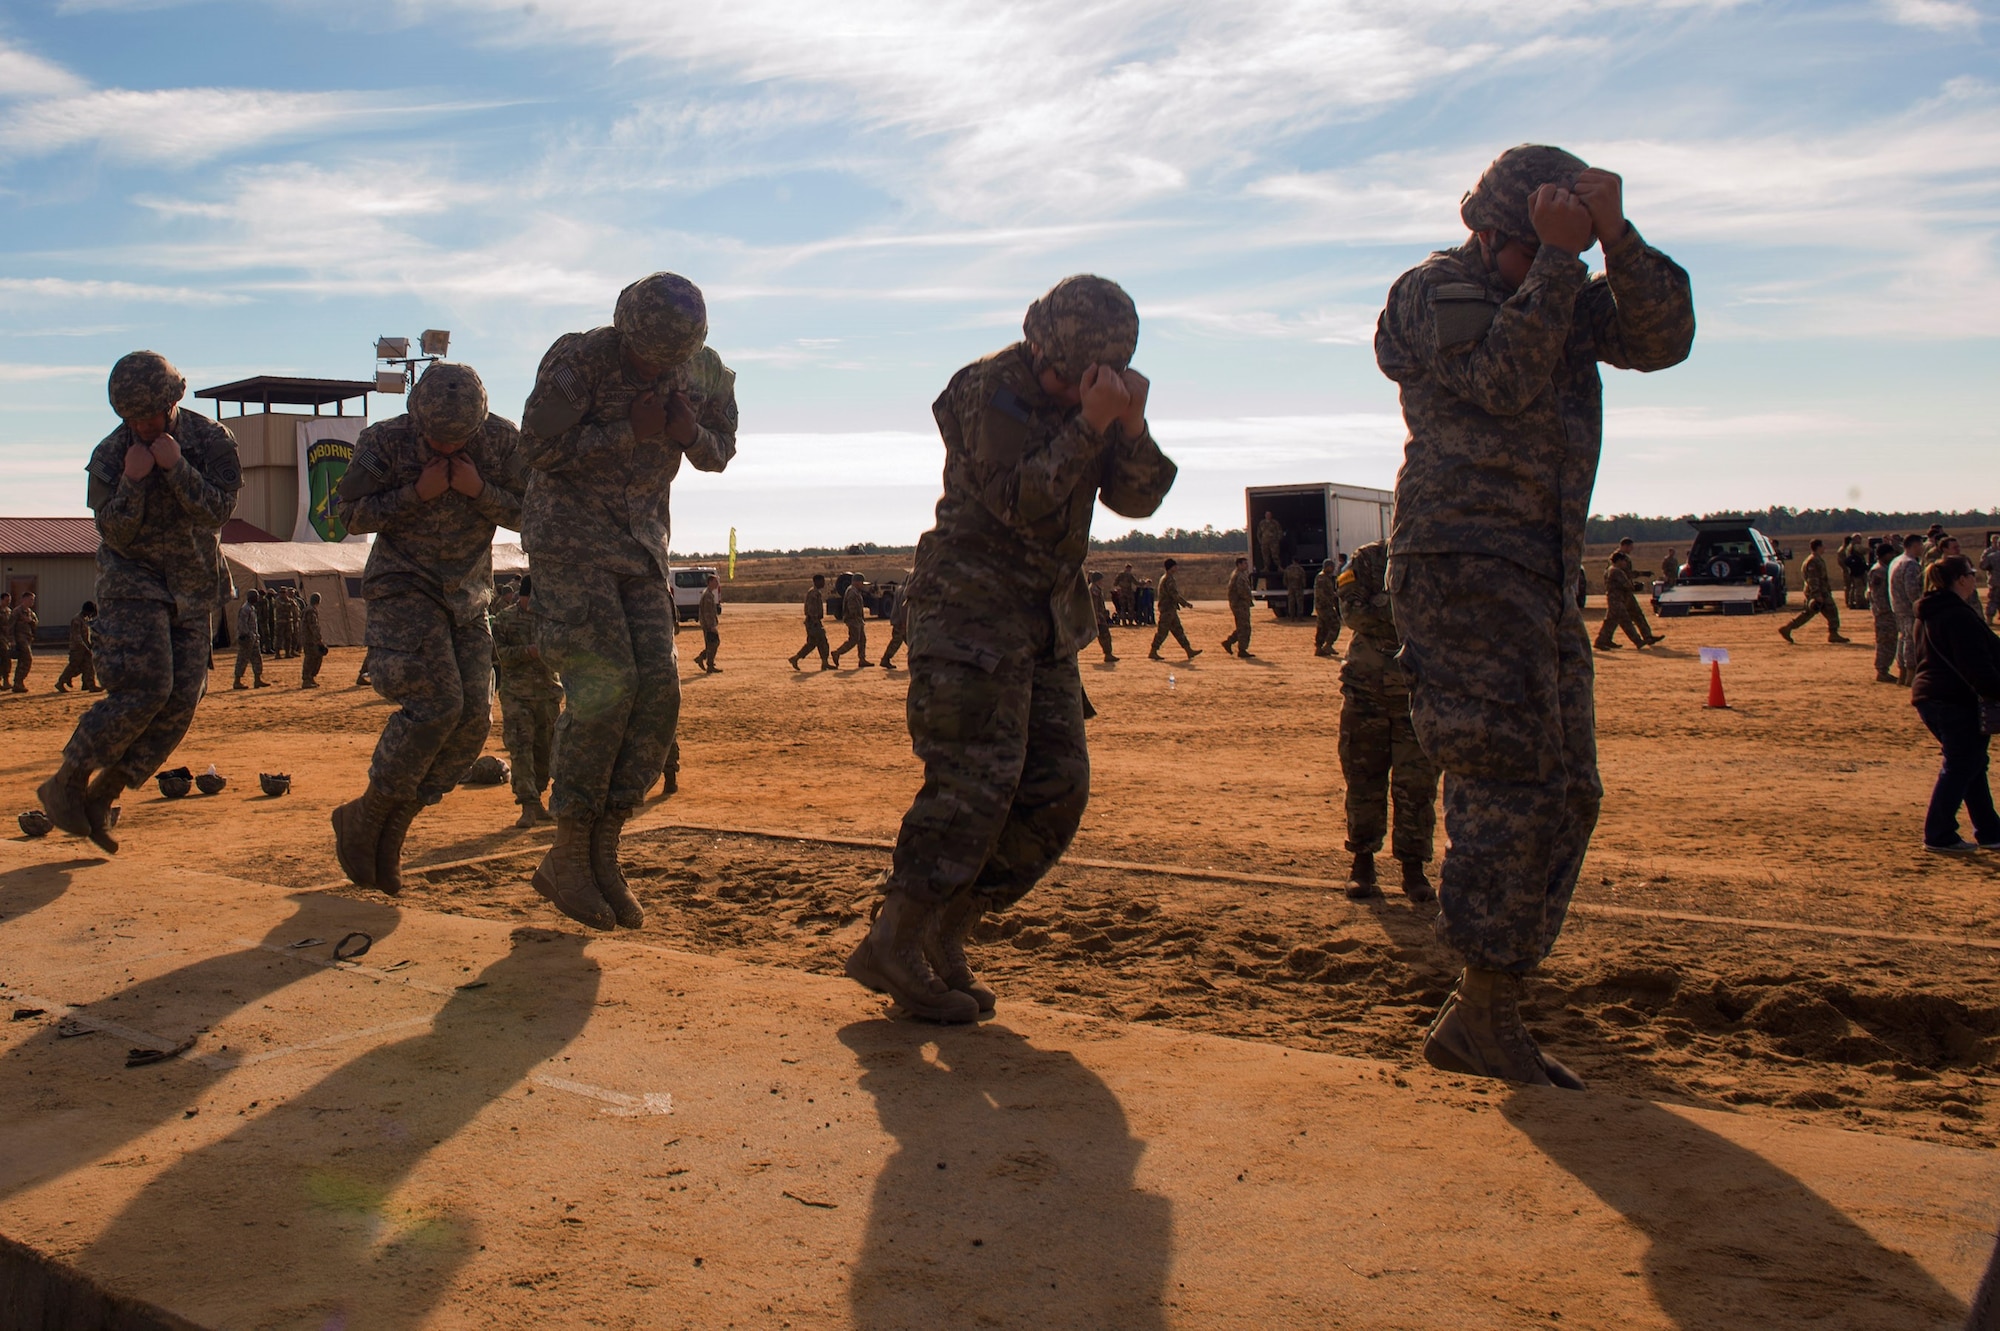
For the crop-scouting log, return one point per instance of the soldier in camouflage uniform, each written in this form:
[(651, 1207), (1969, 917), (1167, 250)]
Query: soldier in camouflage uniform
[(161, 486), (1125, 595), (1378, 745), (82, 665), (1495, 347), (1270, 543), (613, 414), (1295, 590), (709, 616), (816, 626), (26, 624), (899, 622), (250, 638), (290, 615), (854, 613), (1621, 607), (1167, 606), (1819, 597), (312, 641), (433, 485), (1240, 605), (1102, 613), (6, 635), (1326, 610), (530, 701), (1883, 611), (1670, 569), (1035, 436), (267, 620)]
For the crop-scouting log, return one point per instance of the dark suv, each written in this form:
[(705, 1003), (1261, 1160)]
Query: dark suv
[(1731, 567)]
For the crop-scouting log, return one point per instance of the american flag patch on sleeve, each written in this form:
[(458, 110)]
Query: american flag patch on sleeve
[(566, 380), (368, 462)]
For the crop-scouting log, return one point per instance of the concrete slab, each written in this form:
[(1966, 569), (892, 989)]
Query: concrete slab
[(472, 1126)]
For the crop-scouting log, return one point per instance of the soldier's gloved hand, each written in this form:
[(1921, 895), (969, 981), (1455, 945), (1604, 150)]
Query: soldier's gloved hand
[(1603, 193), (1134, 416), (682, 427), (1561, 221), (138, 462), (465, 476), (648, 416), (167, 452), (434, 479), (1105, 397)]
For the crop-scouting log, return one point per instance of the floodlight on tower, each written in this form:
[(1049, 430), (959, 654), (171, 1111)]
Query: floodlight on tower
[(390, 381), (436, 341), (391, 348)]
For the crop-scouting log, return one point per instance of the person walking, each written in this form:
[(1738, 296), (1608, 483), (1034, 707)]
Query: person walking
[(709, 615), (899, 622), (1888, 636), (1240, 604), (1906, 588), (815, 607), (1102, 613), (6, 637), (1955, 680), (26, 622), (82, 665), (250, 639), (1621, 607), (854, 614), (1326, 609), (1819, 597), (1167, 606)]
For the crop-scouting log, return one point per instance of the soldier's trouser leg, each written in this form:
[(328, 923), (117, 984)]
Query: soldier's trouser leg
[(24, 660), (1103, 641), (77, 667), (896, 641), (611, 638), (1812, 607), (440, 676), (1501, 701), (1635, 621), (1993, 599), (711, 642), (1171, 626), (1364, 766), (1328, 633), (816, 642), (248, 657), (309, 672), (1906, 642), (1887, 640), (1413, 779), (517, 732), (154, 669), (1006, 777)]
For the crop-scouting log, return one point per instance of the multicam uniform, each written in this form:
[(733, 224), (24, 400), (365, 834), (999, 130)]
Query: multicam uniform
[(1819, 599), (530, 700), (853, 613), (1102, 613), (1326, 610), (82, 663), (709, 615), (1270, 544), (313, 643), (1125, 595), (1378, 744), (815, 607), (26, 624), (1618, 606), (1240, 603), (1295, 590), (249, 641), (1505, 410), (1167, 606), (899, 623)]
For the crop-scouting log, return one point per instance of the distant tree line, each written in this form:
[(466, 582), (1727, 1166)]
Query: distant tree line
[(1177, 540), (1781, 521)]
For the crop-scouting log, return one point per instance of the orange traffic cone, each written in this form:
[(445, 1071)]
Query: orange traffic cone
[(1715, 698)]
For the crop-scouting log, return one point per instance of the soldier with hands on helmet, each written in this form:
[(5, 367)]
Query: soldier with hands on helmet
[(433, 485), (1495, 346), (160, 486), (1035, 436), (613, 414)]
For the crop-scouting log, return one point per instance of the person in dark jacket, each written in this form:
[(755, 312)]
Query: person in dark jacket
[(1955, 666)]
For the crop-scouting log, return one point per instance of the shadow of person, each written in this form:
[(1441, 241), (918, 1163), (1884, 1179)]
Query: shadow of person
[(1734, 1240), (55, 1127), (297, 1218), (33, 886), (1011, 1198)]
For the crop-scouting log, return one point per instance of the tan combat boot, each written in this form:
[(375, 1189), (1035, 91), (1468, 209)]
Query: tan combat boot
[(101, 807), (357, 832), (64, 800), (944, 949), (1479, 1032), (617, 893), (1417, 884), (565, 877), (1361, 883), (890, 960), (531, 814), (389, 845)]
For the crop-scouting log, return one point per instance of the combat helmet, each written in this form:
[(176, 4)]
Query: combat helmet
[(662, 318), (449, 403), (144, 383), (1083, 321), (1499, 202)]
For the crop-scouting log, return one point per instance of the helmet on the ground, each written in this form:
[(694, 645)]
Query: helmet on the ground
[(663, 318), (449, 403), (274, 783), (487, 771), (35, 823), (1499, 202), (1083, 321), (144, 383)]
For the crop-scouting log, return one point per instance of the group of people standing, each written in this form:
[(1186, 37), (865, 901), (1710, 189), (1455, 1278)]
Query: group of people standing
[(1469, 658)]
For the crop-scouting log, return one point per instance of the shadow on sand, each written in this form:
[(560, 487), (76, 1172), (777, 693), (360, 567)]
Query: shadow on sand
[(1011, 1199), (33, 886)]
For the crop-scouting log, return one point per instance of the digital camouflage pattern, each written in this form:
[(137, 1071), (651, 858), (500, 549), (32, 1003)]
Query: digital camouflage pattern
[(1083, 321), (1167, 606), (1887, 632), (523, 674), (438, 670), (1379, 753), (249, 639), (449, 403), (82, 659), (999, 609), (1499, 202), (530, 700), (160, 582), (442, 548), (663, 317), (144, 383), (597, 495)]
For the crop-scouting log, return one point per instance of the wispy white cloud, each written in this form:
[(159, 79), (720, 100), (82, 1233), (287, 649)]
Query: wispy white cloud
[(13, 372), (1941, 15), (63, 290), (25, 74)]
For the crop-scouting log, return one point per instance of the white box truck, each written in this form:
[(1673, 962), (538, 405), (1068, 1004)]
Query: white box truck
[(1321, 521)]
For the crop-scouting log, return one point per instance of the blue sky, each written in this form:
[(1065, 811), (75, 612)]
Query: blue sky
[(871, 193)]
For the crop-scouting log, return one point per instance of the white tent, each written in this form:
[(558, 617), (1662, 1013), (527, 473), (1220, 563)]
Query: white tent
[(333, 570)]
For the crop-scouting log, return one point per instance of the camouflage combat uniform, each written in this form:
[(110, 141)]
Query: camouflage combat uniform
[(428, 582), (160, 583), (530, 700), (899, 623), (1881, 609), (249, 640), (1270, 544), (815, 607), (1295, 590), (1240, 604), (1167, 605), (1125, 595), (1501, 394), (312, 643), (1378, 744), (82, 663), (1326, 610), (596, 527), (998, 612), (1618, 607), (7, 640), (1102, 613), (288, 622), (709, 615), (853, 613), (26, 624), (1819, 599)]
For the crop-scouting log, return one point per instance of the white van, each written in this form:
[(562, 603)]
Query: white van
[(688, 586)]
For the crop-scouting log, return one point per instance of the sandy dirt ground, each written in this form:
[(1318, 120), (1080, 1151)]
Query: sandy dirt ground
[(1840, 976)]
